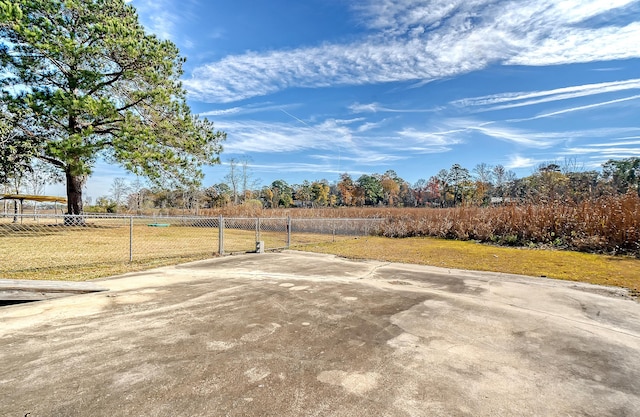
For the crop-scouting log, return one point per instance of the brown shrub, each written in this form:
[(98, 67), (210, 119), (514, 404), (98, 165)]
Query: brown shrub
[(608, 224)]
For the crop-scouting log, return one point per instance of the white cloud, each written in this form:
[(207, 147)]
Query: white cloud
[(525, 138), (425, 40), (367, 126), (585, 107), (518, 99), (221, 112), (294, 167), (609, 152), (517, 161), (377, 107), (249, 109), (161, 18), (157, 17), (516, 136), (349, 140), (429, 141), (582, 45), (623, 142)]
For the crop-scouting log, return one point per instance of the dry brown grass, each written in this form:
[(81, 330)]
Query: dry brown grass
[(605, 225), (610, 224), (32, 250), (595, 269)]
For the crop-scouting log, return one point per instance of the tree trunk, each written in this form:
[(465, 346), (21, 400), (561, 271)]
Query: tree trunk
[(74, 193), (15, 211)]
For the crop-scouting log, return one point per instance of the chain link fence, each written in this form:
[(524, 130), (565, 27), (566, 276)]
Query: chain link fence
[(34, 241)]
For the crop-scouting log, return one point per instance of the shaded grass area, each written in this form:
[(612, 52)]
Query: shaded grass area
[(573, 266)]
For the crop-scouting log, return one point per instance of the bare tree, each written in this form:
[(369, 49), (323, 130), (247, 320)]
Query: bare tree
[(119, 190), (249, 183), (240, 179), (135, 200), (484, 173), (233, 179)]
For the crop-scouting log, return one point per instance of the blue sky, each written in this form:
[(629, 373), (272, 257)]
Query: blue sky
[(310, 89)]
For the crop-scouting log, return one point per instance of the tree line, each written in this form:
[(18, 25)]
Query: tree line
[(484, 185)]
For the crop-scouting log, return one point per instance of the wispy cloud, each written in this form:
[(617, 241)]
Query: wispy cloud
[(579, 108), (425, 40), (350, 140), (377, 107), (430, 141), (581, 45), (160, 18), (296, 167), (525, 138), (157, 17), (609, 152), (528, 98), (518, 161), (249, 109)]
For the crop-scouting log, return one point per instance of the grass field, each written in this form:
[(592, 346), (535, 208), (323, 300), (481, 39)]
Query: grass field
[(56, 252)]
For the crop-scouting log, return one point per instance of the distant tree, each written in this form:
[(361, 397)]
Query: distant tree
[(137, 197), (419, 191), (371, 188), (483, 173), (459, 181), (16, 150), (218, 195), (499, 176), (282, 194), (437, 187), (582, 185), (191, 199), (548, 183), (347, 190), (249, 182), (240, 179), (87, 72), (266, 194), (119, 190), (106, 204), (40, 176), (406, 197), (391, 190), (233, 179), (623, 174), (483, 183), (320, 193), (16, 153), (303, 193)]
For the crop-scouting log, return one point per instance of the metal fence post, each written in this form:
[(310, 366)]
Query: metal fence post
[(130, 238), (221, 235), (288, 231)]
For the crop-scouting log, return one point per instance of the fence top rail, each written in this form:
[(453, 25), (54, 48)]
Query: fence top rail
[(183, 218), (346, 219)]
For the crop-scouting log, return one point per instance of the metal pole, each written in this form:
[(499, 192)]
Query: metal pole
[(288, 231), (221, 235), (258, 229), (130, 238)]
